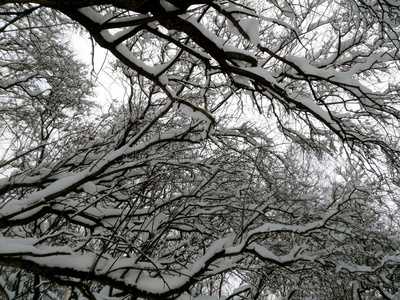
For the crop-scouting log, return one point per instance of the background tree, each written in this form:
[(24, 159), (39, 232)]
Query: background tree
[(181, 192), (43, 110)]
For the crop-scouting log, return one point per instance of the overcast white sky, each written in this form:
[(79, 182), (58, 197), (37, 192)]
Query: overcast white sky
[(108, 86)]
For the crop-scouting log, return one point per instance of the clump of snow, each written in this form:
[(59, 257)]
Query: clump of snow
[(92, 14), (89, 187), (191, 111), (168, 6), (249, 26)]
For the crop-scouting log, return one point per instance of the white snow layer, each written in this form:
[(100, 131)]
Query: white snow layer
[(250, 27)]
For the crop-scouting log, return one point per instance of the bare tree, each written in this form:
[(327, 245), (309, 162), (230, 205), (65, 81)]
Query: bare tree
[(255, 156)]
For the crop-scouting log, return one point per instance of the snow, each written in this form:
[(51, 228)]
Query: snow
[(152, 70), (243, 80), (316, 110), (341, 78), (192, 112), (231, 48), (138, 272), (89, 187), (37, 198), (152, 224), (241, 289), (207, 33), (280, 22), (308, 196), (259, 71), (129, 55), (249, 26), (168, 282), (163, 79), (128, 19), (27, 214), (4, 288), (12, 246), (80, 262), (168, 6), (109, 37), (93, 15), (9, 82)]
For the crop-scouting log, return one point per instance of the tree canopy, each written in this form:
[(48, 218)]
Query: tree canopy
[(255, 154)]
